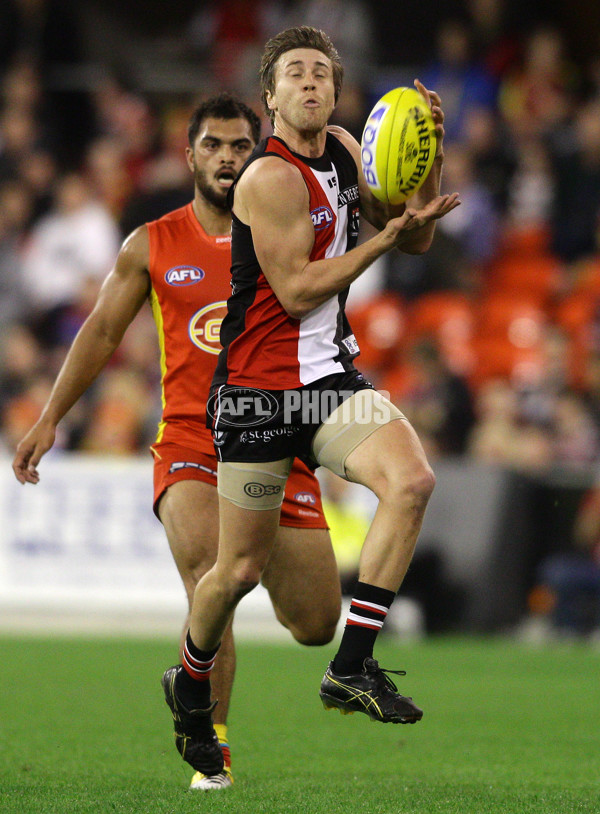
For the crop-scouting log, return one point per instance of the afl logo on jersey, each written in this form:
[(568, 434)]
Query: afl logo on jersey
[(184, 275), (305, 497), (205, 326), (322, 217)]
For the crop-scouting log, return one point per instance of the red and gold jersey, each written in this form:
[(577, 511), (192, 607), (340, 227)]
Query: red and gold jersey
[(190, 278)]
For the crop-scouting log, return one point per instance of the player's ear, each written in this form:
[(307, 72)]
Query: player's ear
[(189, 157), (270, 99)]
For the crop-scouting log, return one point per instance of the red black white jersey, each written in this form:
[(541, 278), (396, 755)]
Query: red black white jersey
[(262, 345)]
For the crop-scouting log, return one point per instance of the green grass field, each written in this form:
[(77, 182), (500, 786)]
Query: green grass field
[(507, 729)]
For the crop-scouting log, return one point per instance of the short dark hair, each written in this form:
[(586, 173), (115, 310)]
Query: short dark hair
[(303, 36), (224, 106)]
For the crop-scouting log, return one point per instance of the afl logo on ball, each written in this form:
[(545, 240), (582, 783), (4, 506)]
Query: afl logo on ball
[(322, 217), (205, 326), (184, 275)]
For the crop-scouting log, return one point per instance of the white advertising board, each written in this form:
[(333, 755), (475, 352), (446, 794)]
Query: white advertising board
[(82, 550)]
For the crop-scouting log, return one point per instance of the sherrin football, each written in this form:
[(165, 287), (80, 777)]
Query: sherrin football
[(398, 145)]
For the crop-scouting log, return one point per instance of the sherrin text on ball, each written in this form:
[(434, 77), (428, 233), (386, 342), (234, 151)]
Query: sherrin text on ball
[(398, 145)]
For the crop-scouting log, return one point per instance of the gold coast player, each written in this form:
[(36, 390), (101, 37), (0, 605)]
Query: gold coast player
[(181, 263), (286, 339)]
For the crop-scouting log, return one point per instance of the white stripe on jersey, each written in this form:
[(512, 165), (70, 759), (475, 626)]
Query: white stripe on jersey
[(316, 346), (339, 245)]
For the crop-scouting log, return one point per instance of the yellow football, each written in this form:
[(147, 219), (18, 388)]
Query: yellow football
[(398, 145)]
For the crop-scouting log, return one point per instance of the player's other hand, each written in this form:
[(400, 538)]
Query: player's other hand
[(30, 450), (435, 105), (399, 229)]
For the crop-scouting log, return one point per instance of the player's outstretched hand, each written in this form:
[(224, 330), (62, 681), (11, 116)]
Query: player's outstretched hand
[(30, 450), (398, 230)]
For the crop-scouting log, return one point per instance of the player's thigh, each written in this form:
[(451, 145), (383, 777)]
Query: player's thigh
[(246, 539), (250, 497), (302, 575), (392, 456), (189, 512)]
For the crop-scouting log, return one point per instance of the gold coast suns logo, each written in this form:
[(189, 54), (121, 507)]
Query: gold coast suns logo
[(205, 326)]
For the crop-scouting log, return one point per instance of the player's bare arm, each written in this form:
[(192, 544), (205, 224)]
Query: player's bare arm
[(284, 236), (119, 300)]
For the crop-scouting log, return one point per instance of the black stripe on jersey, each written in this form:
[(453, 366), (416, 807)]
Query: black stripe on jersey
[(348, 186), (343, 331)]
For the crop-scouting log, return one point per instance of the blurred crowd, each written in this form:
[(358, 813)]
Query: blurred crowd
[(490, 343)]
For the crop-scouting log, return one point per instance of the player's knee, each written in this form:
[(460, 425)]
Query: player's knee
[(317, 630), (414, 487), (422, 483), (192, 573), (315, 636), (244, 577), (200, 568)]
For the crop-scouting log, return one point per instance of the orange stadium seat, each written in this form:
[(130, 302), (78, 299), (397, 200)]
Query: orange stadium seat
[(537, 277), (396, 380), (577, 312), (379, 326), (496, 357), (579, 315), (508, 339), (525, 241), (448, 318), (518, 319), (525, 266), (587, 277)]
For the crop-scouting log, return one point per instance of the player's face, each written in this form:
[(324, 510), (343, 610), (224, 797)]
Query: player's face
[(304, 95), (220, 151)]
